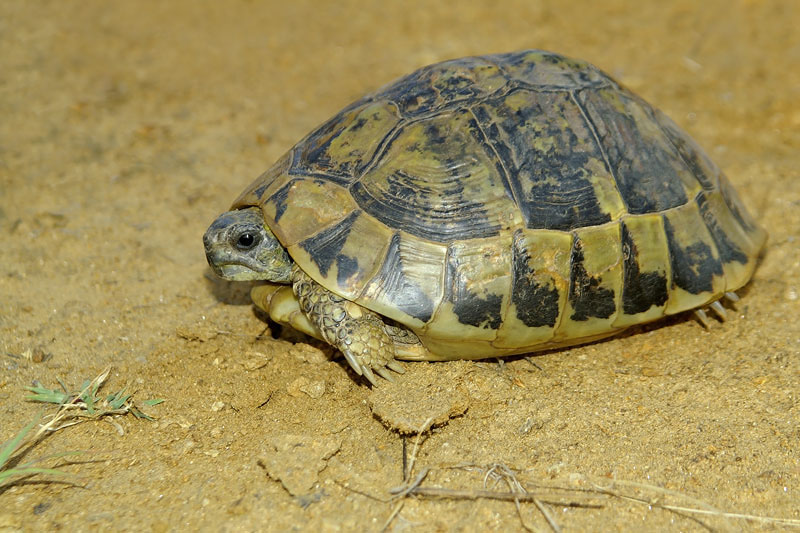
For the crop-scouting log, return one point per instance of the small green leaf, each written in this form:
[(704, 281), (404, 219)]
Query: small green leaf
[(155, 401), (17, 472), (118, 400), (41, 394), (48, 457), (11, 446), (138, 414)]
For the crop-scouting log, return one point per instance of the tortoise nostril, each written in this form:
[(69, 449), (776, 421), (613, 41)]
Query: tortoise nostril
[(207, 241)]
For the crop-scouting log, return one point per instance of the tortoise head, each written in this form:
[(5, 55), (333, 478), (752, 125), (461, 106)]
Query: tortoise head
[(240, 247)]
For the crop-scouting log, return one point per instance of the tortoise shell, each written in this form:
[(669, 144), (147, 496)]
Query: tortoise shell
[(509, 203)]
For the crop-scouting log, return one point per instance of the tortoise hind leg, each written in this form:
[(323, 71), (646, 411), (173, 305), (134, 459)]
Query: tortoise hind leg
[(407, 345), (358, 333)]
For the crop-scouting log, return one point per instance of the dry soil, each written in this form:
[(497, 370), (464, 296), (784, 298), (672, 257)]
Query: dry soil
[(128, 126)]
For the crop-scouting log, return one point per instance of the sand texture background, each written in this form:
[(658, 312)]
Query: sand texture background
[(128, 126)]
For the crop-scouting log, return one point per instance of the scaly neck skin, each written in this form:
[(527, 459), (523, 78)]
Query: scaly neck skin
[(240, 247)]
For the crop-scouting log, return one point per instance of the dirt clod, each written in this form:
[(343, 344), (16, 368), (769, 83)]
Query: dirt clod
[(296, 460)]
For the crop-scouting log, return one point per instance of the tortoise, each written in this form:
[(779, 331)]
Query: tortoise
[(484, 207)]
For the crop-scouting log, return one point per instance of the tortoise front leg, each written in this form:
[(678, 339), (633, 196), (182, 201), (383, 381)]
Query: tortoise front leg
[(280, 303), (357, 332), (283, 306)]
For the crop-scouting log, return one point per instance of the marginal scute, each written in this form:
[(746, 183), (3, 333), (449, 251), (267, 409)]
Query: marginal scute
[(536, 301), (646, 270), (694, 260), (476, 289), (540, 280), (712, 209), (738, 248), (595, 282)]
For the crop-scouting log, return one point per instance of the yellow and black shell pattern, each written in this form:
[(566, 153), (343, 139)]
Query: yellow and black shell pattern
[(509, 203)]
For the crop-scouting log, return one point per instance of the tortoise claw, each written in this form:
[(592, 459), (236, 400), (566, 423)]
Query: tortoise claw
[(396, 366), (353, 362), (731, 296), (719, 310), (385, 374), (703, 318), (369, 375)]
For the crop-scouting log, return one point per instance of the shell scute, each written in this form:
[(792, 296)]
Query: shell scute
[(546, 70), (436, 87), (540, 280), (334, 255), (537, 299), (694, 260), (550, 157), (702, 169), (308, 205), (646, 272), (649, 173), (595, 281), (476, 281), (408, 287), (436, 182), (343, 146)]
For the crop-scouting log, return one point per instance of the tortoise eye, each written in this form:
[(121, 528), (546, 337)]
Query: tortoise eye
[(246, 241)]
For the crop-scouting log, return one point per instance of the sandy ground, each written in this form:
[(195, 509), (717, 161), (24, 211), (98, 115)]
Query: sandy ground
[(128, 126)]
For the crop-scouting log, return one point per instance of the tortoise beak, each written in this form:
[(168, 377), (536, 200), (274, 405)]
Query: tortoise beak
[(231, 266)]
